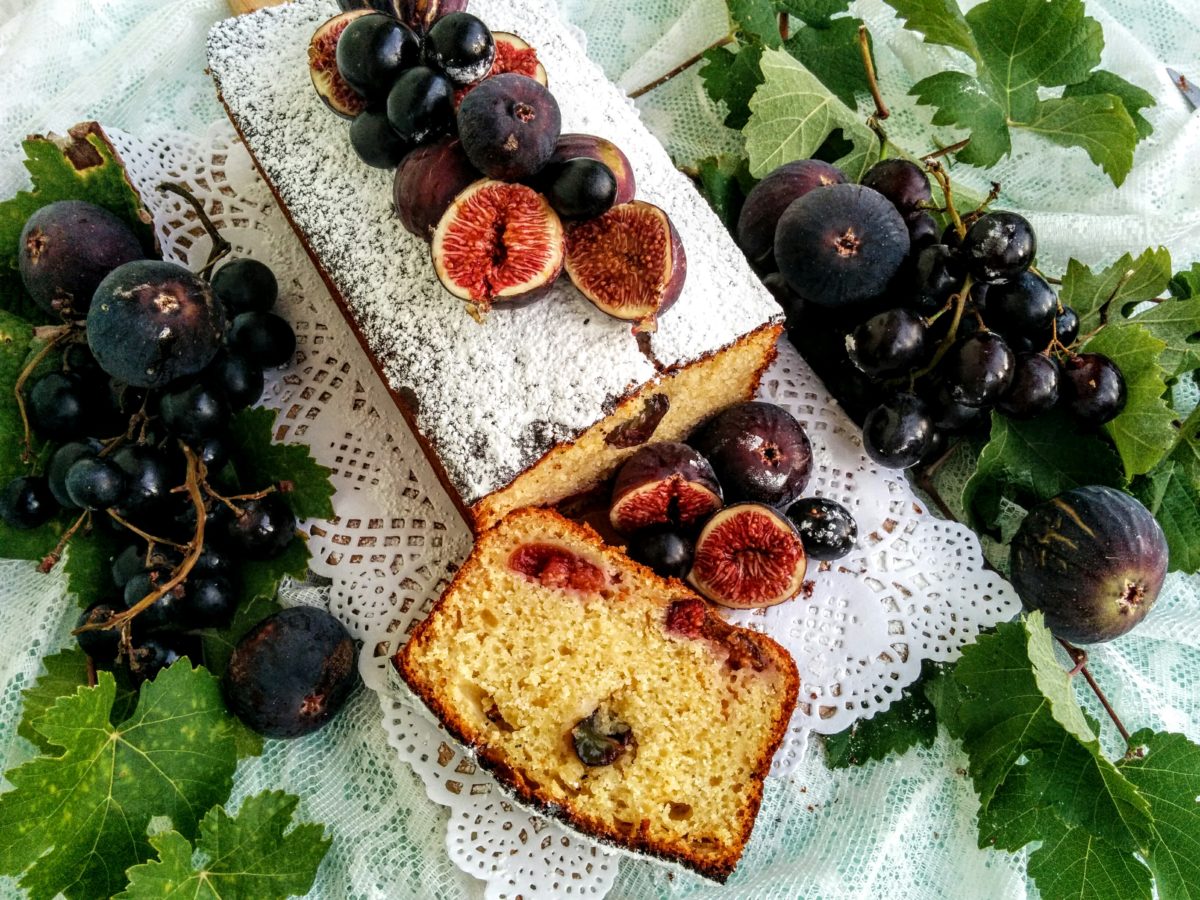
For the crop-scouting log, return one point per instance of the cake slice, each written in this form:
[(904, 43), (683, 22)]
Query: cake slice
[(602, 694), (537, 404)]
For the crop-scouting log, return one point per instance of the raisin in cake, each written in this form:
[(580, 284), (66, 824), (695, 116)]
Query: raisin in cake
[(549, 648), (534, 405)]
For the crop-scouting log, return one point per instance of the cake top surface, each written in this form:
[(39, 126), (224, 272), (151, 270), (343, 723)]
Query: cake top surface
[(491, 398)]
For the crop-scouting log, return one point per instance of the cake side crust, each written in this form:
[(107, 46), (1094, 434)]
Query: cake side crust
[(717, 868)]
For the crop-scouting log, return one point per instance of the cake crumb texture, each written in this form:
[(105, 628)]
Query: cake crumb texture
[(490, 399), (511, 665)]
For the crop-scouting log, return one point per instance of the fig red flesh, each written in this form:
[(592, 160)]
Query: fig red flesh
[(748, 556), (332, 88), (667, 483), (629, 263), (513, 54), (497, 242), (557, 567)]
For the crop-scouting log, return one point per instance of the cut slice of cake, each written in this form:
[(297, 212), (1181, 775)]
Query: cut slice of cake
[(602, 694), (537, 404)]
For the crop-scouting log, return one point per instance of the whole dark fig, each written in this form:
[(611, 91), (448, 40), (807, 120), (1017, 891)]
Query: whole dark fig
[(1092, 560), (509, 126), (427, 181), (759, 452), (770, 197), (291, 673)]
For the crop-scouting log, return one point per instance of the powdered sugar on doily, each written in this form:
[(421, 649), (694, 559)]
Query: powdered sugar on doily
[(491, 399)]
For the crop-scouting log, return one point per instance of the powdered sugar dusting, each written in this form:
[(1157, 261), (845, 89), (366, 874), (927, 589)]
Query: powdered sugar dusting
[(493, 398)]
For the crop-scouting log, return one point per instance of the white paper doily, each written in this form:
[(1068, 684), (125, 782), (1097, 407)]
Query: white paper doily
[(915, 588)]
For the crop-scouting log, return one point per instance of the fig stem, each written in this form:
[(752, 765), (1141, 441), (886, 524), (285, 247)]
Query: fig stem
[(220, 247), (679, 69), (783, 26), (121, 620), (50, 560), (1081, 666), (19, 387), (864, 46)]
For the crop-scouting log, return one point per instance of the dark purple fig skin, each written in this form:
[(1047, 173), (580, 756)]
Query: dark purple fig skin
[(427, 180), (573, 146), (1093, 560), (179, 338), (841, 244), (770, 197), (291, 673), (416, 14), (65, 251), (509, 126), (759, 452), (667, 483), (640, 428)]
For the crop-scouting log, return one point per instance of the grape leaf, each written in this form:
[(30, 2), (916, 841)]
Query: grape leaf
[(725, 181), (82, 166), (832, 54), (940, 21), (1132, 97), (1176, 322), (959, 99), (251, 854), (792, 114), (1172, 494), (733, 78), (1030, 461), (73, 823), (1168, 775), (816, 13), (755, 18), (1126, 280), (1186, 284), (1074, 864), (66, 671), (1143, 433), (909, 721), (1019, 713), (1100, 124), (261, 462)]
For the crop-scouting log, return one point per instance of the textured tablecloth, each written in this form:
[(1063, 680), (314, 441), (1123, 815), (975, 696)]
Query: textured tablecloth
[(903, 828)]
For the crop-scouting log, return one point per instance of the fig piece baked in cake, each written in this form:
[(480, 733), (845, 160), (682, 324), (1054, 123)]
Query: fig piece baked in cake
[(536, 404), (606, 696)]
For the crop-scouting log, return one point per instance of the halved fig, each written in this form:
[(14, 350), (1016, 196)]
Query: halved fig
[(497, 243), (322, 66), (667, 483), (748, 556), (573, 146), (513, 54), (427, 181), (629, 262)]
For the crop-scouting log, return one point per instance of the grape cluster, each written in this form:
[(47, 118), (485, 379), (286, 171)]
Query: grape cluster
[(131, 450), (964, 326)]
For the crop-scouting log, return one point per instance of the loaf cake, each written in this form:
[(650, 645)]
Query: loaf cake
[(550, 647), (534, 405)]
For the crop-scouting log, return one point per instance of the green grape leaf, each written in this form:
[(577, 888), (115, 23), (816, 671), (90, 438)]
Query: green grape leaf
[(832, 54), (1019, 713), (261, 462), (724, 182), (1172, 494), (66, 672), (909, 721), (816, 13), (792, 114), (1177, 323), (755, 18), (1074, 864), (74, 823), (1100, 124), (1168, 776), (733, 78), (1144, 432), (252, 854), (1034, 460), (1127, 280), (940, 21), (88, 563), (1018, 47), (1186, 284), (82, 166), (1132, 97)]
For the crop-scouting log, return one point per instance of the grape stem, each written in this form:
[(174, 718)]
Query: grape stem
[(679, 69), (50, 560), (960, 304), (144, 535), (1081, 658), (220, 247), (935, 168), (783, 26), (864, 47), (230, 501), (121, 620), (58, 335), (945, 151)]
